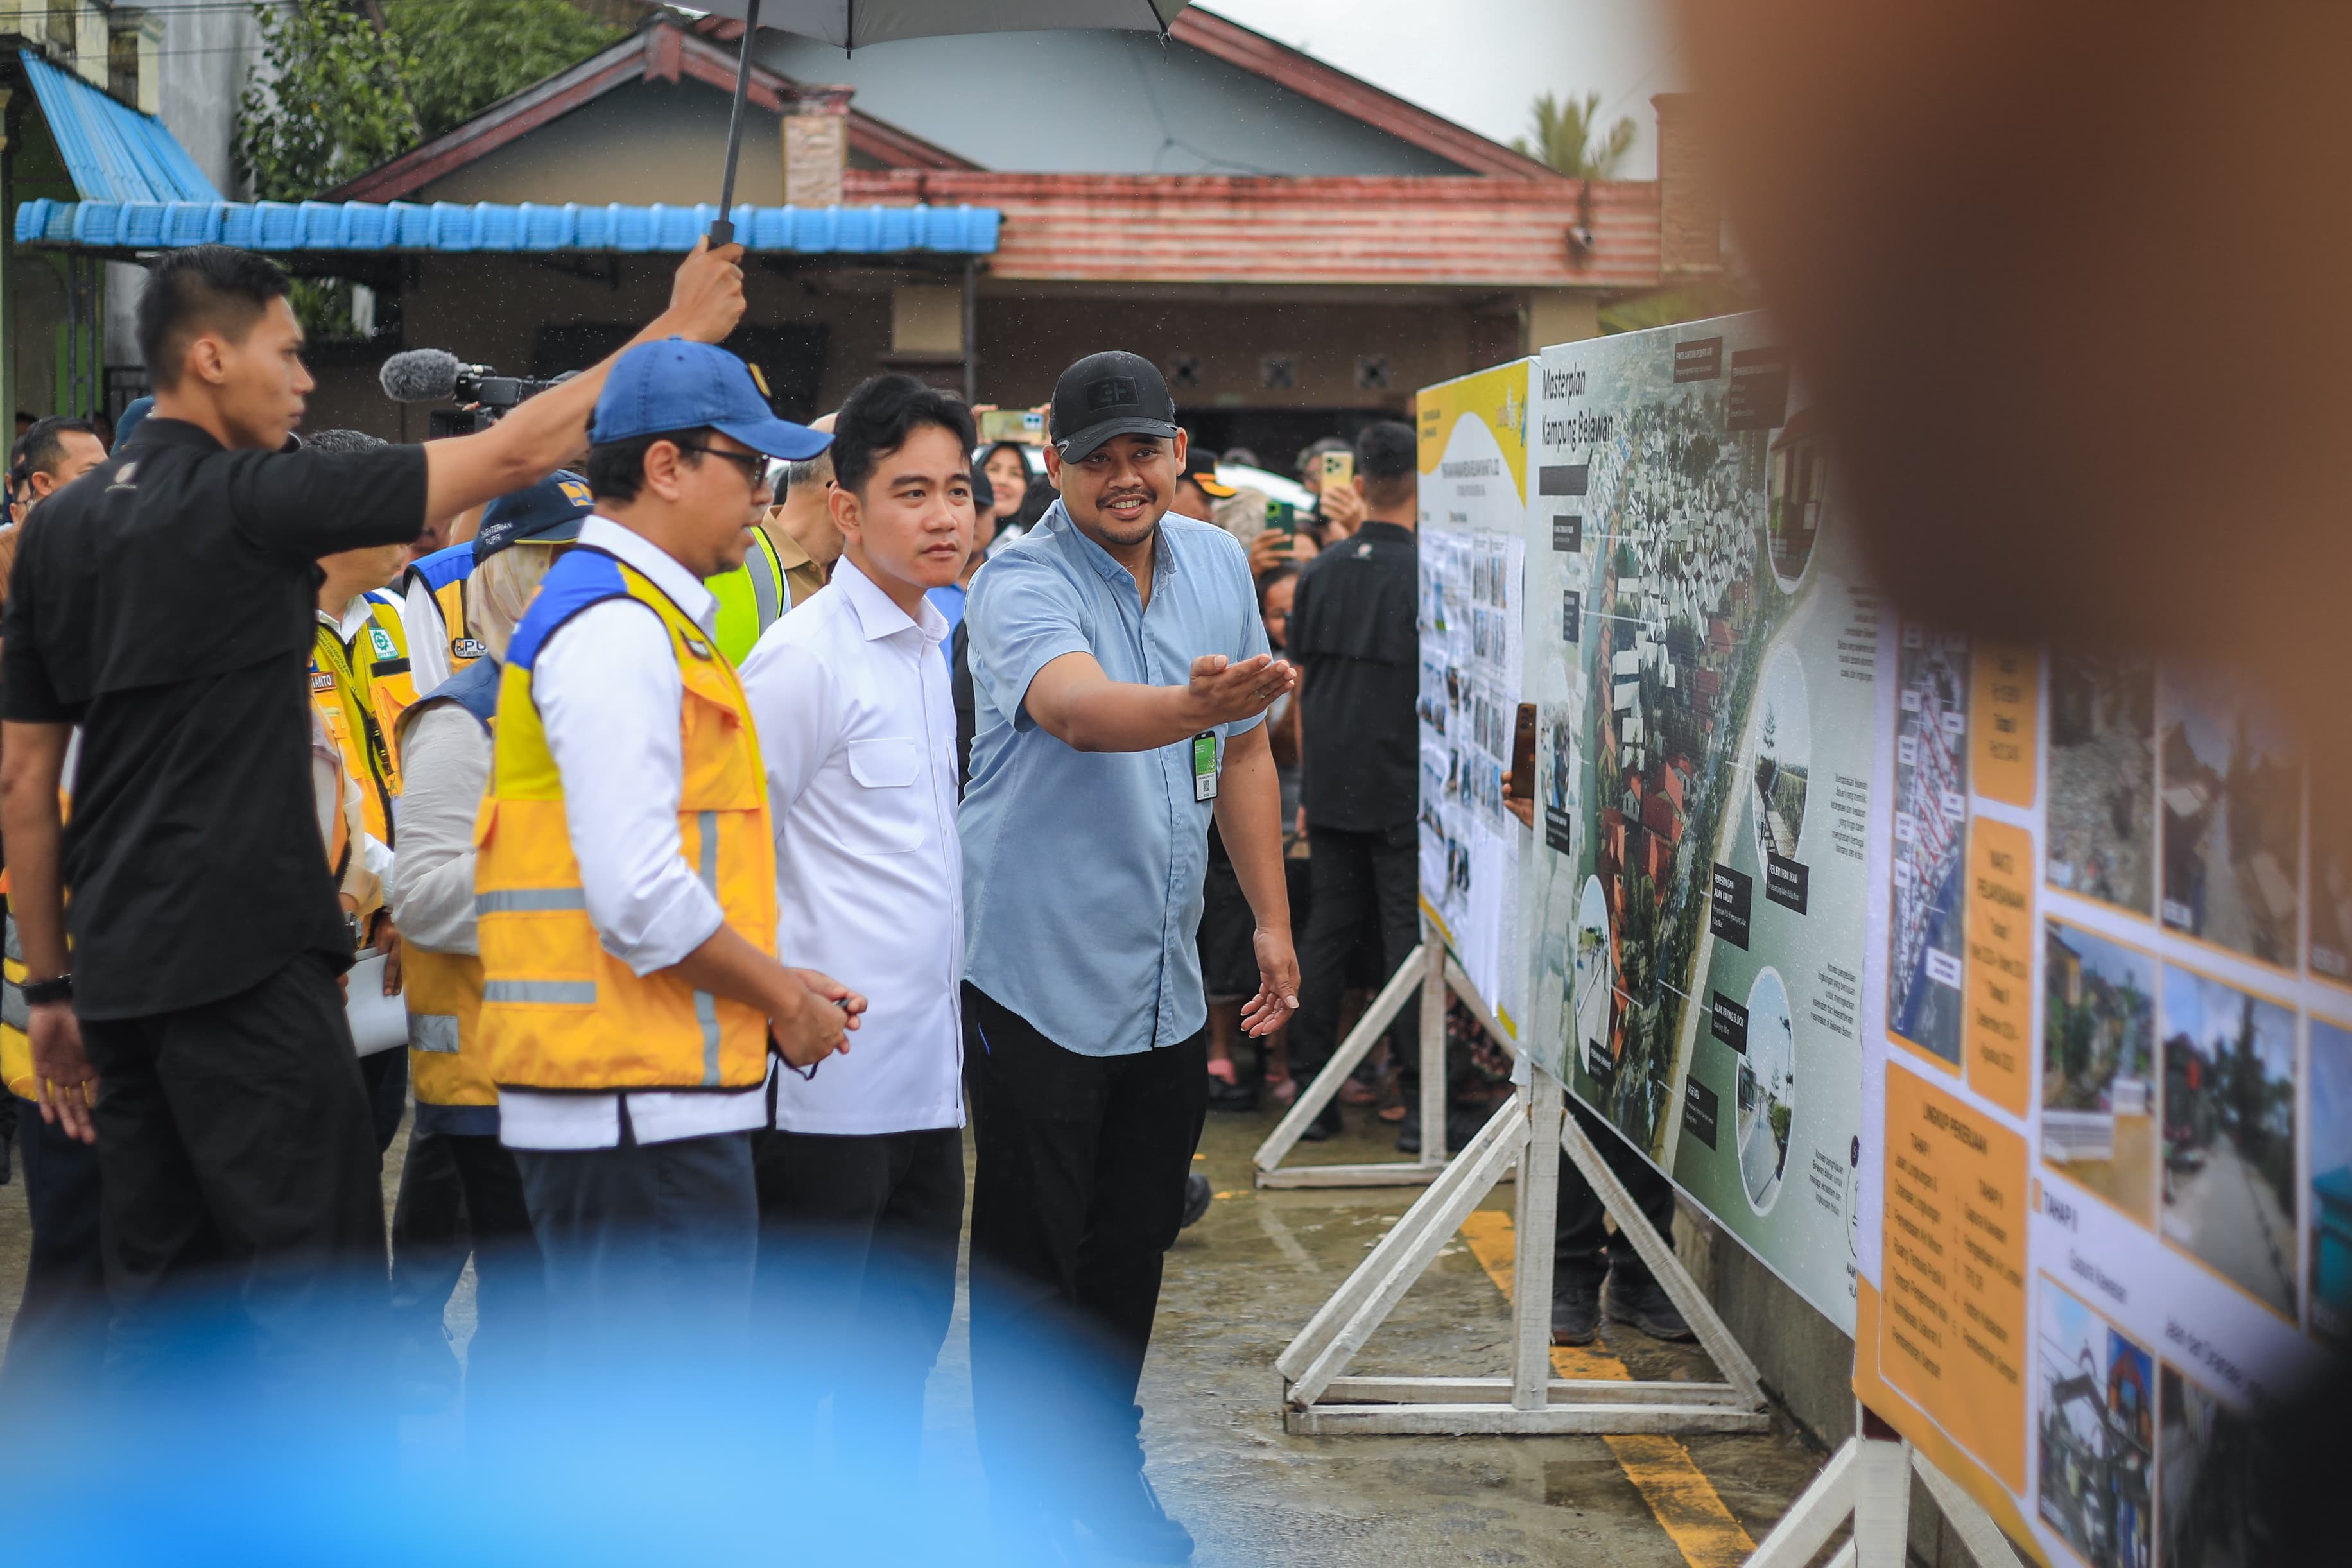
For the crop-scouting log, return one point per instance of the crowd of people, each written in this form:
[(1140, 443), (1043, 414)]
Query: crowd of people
[(692, 850)]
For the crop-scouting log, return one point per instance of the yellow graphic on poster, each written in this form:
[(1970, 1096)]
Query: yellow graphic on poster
[(1472, 519)]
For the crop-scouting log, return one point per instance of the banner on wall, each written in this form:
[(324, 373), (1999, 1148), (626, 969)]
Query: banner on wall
[(2109, 1218), (1472, 517), (1701, 656)]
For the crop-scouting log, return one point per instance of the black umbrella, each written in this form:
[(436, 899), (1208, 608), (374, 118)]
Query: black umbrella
[(850, 23)]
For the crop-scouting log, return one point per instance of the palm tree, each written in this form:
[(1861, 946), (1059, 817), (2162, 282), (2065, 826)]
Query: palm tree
[(1565, 138)]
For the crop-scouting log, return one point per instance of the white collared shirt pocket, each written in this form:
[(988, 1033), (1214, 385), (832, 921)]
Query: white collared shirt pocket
[(888, 813)]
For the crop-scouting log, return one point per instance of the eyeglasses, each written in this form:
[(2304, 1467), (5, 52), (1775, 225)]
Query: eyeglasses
[(754, 465)]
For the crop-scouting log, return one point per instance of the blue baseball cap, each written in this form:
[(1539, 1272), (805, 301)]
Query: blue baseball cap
[(547, 512), (677, 385)]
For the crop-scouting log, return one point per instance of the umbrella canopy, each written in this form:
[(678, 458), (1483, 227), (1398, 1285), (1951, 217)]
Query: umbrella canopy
[(852, 24)]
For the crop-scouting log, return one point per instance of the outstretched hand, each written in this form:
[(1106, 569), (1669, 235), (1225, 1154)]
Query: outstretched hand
[(1226, 691)]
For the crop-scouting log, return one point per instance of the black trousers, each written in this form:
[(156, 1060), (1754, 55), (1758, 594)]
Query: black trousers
[(856, 1280), (1078, 1193), (1582, 1249), (469, 1199), (57, 1346), (1361, 880), (648, 1250), (241, 1186), (430, 1234)]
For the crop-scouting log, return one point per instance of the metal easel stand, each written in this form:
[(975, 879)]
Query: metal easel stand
[(1868, 1480), (1529, 1130), (1432, 968)]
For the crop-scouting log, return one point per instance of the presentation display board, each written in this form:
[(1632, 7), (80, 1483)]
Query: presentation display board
[(1702, 661), (1472, 520), (2108, 1213)]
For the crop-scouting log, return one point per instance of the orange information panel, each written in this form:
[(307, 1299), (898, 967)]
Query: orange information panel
[(2103, 1207), (2000, 1023)]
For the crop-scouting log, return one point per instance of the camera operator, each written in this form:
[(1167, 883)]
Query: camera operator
[(233, 1132)]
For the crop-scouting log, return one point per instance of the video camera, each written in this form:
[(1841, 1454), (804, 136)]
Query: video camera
[(481, 395)]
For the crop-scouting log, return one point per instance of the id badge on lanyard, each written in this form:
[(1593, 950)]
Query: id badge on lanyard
[(1204, 766)]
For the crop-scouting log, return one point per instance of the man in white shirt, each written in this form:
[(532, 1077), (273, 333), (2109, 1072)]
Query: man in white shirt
[(861, 1184), (624, 892)]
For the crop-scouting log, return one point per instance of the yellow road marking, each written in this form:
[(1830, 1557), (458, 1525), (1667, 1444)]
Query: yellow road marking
[(1679, 1495)]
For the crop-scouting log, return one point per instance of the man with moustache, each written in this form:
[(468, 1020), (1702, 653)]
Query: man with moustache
[(1120, 672)]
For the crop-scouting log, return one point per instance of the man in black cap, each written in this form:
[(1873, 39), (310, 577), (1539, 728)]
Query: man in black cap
[(1119, 673)]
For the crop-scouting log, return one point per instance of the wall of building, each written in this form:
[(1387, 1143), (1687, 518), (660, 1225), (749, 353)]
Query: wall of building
[(1098, 102), (646, 141)]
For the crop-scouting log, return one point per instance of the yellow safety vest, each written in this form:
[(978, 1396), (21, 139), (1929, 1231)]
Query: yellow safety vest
[(445, 574), (559, 1013), (444, 990), (361, 690), (15, 1045), (751, 598)]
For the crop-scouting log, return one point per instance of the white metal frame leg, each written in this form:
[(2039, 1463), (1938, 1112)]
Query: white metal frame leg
[(1868, 1482), (1311, 1099), (1531, 1130)]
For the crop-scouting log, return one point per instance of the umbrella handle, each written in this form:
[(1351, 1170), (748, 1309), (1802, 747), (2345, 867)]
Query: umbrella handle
[(723, 230)]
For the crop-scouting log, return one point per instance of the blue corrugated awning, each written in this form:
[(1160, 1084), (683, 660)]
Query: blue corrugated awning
[(113, 153), (496, 227)]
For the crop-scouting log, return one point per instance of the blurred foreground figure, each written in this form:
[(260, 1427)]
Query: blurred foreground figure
[(2000, 250), (2003, 252)]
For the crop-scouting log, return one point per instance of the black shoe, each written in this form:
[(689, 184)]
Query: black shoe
[(1197, 1193), (1225, 1096), (1575, 1309), (1125, 1519), (1409, 1132), (1327, 1122), (1646, 1306)]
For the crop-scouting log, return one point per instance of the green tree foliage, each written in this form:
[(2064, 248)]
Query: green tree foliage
[(471, 53), (1569, 139), (329, 103)]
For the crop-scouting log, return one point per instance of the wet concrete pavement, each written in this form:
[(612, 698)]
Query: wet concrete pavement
[(1239, 1285)]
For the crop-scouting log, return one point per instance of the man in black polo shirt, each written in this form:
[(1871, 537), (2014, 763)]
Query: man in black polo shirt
[(1353, 635), (164, 605)]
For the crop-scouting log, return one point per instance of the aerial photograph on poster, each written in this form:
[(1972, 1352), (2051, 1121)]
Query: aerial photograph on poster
[(1783, 748), (2228, 1132), (2095, 1411), (2232, 784), (2102, 815), (1929, 909), (2206, 1476), (2329, 1120), (1701, 623), (2098, 1069)]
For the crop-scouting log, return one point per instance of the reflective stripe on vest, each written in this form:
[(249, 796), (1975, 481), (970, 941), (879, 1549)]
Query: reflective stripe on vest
[(558, 1012), (751, 598), (444, 992)]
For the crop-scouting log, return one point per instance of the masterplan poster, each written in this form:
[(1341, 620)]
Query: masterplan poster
[(1703, 659), (2107, 1123), (1473, 538)]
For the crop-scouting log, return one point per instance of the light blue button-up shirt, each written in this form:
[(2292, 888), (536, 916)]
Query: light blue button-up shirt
[(1082, 870)]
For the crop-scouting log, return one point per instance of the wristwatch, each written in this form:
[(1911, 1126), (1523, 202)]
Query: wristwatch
[(40, 993)]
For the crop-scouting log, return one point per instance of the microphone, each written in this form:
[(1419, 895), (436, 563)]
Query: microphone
[(423, 375)]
